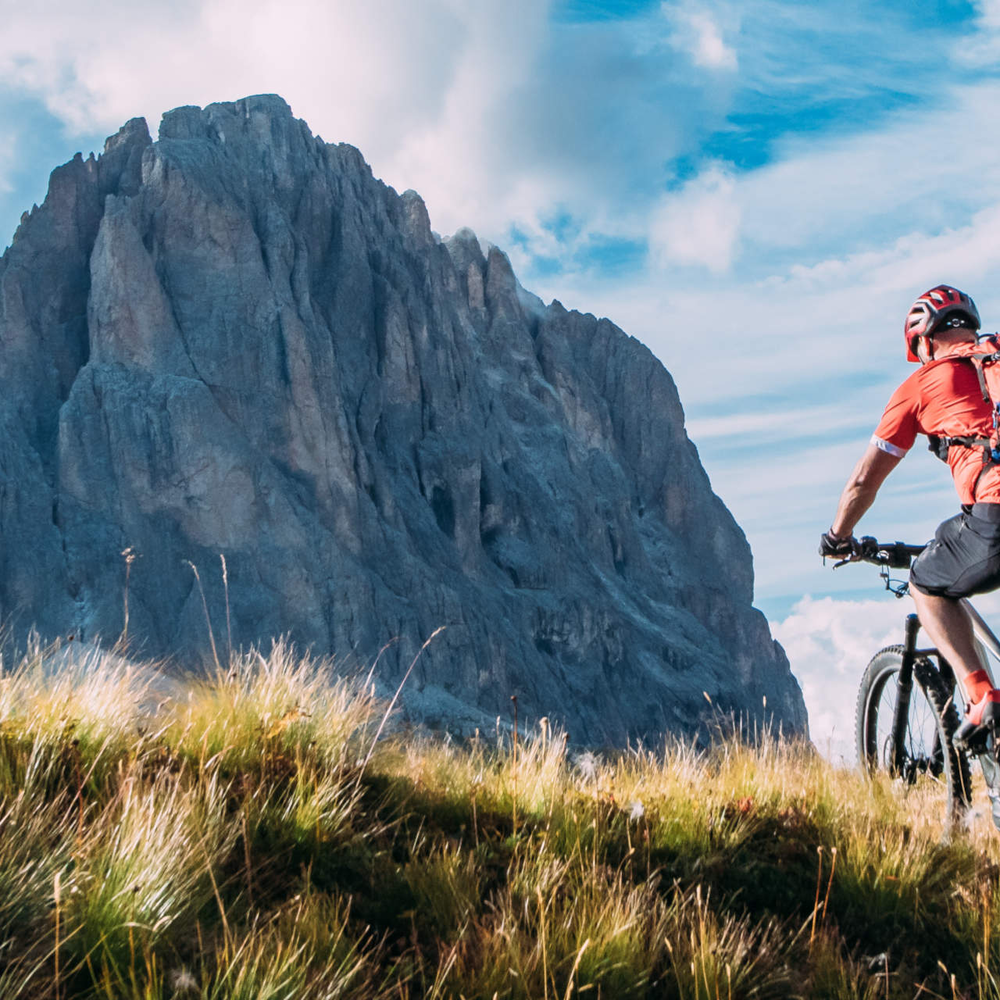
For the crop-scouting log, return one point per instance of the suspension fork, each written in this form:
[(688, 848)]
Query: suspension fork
[(904, 689)]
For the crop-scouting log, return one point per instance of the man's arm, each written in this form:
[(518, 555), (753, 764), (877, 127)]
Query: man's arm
[(861, 489)]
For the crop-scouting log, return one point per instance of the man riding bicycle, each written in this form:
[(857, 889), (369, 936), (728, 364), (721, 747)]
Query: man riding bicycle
[(946, 399)]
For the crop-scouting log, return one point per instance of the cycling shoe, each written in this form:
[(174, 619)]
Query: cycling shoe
[(980, 720)]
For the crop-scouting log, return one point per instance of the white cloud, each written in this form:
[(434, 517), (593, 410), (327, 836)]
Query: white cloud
[(490, 116), (983, 48), (912, 175), (697, 32), (474, 105), (343, 61), (989, 13), (698, 224), (798, 318), (829, 643), (417, 87)]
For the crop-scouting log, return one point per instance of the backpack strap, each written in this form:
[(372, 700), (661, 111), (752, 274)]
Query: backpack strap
[(991, 454), (991, 457), (939, 445), (989, 461), (978, 360)]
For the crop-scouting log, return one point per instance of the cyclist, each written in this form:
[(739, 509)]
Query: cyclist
[(943, 399)]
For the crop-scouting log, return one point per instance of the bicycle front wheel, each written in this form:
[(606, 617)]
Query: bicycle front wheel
[(927, 748)]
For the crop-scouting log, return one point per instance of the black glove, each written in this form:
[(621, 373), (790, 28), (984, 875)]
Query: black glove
[(839, 547)]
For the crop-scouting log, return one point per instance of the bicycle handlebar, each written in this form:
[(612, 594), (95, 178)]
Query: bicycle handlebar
[(892, 555)]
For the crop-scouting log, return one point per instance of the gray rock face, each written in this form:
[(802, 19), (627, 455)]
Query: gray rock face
[(237, 341)]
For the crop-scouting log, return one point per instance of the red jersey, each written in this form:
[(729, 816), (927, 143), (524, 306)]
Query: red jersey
[(943, 398)]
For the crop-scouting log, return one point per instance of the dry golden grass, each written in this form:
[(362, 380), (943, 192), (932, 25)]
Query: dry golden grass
[(248, 837)]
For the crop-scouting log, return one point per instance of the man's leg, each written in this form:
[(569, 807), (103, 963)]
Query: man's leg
[(950, 629), (963, 558)]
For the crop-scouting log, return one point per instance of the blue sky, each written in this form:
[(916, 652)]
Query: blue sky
[(756, 189)]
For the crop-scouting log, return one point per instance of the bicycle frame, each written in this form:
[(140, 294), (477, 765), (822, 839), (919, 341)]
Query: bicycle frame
[(901, 710), (984, 635), (988, 643)]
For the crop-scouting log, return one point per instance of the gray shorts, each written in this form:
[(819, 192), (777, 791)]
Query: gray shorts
[(964, 558)]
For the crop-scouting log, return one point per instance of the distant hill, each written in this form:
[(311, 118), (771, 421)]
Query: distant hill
[(236, 341)]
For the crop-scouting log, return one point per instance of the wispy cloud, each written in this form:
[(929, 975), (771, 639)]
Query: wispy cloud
[(697, 224), (837, 639), (914, 175), (743, 423), (499, 116), (982, 50), (698, 33)]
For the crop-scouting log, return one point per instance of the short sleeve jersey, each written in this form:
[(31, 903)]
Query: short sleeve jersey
[(943, 398)]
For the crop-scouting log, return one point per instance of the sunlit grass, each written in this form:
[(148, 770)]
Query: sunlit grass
[(247, 836), (146, 863), (38, 829), (276, 704)]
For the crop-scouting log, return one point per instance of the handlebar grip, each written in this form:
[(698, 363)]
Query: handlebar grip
[(868, 547), (897, 555)]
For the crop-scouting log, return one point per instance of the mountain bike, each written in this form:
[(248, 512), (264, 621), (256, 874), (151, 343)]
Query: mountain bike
[(906, 710)]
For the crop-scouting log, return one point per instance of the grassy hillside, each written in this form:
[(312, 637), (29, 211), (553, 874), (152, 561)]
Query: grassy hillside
[(255, 840)]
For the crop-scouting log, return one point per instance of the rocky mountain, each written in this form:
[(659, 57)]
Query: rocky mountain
[(236, 341)]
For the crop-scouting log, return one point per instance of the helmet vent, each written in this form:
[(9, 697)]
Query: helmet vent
[(932, 309)]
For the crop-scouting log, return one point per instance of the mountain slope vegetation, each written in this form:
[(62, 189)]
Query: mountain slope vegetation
[(261, 834)]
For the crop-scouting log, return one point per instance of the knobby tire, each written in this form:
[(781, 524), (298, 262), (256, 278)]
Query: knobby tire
[(928, 747)]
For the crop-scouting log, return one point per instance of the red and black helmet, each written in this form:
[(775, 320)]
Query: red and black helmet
[(932, 309)]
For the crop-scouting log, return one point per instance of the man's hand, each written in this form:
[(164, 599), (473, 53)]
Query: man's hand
[(831, 545)]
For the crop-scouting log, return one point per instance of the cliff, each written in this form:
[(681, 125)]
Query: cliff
[(235, 340)]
